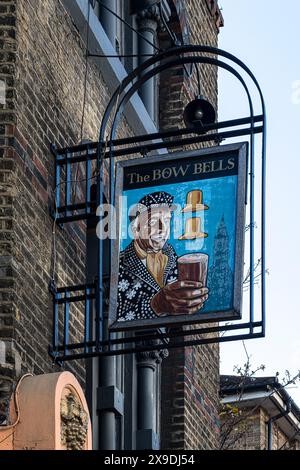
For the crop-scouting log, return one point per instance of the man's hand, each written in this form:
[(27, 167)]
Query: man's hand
[(179, 298)]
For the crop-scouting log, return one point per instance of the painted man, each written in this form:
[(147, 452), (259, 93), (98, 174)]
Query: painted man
[(148, 285)]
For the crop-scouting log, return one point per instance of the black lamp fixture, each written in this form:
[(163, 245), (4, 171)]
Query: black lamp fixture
[(198, 113)]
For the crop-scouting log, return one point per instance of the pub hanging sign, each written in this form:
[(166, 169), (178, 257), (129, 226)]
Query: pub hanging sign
[(178, 249)]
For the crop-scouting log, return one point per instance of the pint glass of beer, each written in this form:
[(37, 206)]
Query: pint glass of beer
[(193, 267)]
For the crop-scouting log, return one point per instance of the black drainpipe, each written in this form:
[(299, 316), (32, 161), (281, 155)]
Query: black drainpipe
[(272, 420)]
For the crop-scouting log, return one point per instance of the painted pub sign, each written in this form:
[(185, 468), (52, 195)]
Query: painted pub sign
[(178, 254)]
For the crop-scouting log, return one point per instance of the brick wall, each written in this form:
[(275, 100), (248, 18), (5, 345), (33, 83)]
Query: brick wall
[(44, 66), (177, 89), (251, 433), (7, 194), (243, 431)]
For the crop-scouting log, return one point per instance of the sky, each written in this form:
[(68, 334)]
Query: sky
[(265, 36)]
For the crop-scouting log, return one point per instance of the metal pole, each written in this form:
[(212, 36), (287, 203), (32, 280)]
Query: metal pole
[(107, 417), (147, 26), (108, 20), (92, 364), (148, 402), (270, 436), (100, 372), (146, 371)]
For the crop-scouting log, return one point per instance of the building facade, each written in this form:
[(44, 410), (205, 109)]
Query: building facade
[(258, 414), (55, 94)]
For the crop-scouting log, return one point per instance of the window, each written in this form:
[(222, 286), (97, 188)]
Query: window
[(127, 43), (123, 39)]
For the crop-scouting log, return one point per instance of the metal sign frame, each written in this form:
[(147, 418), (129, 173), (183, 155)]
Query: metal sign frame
[(102, 342)]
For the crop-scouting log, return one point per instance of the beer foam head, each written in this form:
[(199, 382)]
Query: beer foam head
[(193, 258)]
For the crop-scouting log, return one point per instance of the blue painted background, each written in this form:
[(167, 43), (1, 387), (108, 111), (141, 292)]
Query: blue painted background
[(219, 194)]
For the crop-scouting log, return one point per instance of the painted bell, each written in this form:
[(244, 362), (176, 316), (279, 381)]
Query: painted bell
[(193, 230), (194, 202)]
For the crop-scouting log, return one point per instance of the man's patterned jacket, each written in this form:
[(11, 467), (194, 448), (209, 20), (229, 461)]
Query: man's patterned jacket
[(137, 286)]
